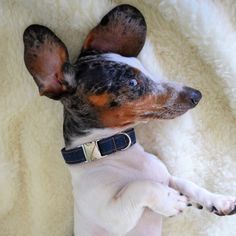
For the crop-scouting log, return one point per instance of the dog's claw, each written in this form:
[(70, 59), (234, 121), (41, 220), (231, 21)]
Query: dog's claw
[(217, 213), (223, 212), (200, 207), (213, 209), (233, 211)]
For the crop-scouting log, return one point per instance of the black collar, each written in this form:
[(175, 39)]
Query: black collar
[(106, 146)]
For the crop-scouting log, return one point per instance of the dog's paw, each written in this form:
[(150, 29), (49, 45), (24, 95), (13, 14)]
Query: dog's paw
[(172, 203), (221, 205)]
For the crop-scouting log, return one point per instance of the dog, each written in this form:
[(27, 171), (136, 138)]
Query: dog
[(118, 188)]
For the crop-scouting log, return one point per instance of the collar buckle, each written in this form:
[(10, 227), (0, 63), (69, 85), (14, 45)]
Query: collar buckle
[(91, 151)]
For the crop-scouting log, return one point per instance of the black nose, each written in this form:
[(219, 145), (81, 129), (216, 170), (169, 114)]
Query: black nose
[(193, 96)]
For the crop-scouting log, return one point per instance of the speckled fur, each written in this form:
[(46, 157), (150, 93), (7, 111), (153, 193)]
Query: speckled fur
[(102, 90), (96, 76)]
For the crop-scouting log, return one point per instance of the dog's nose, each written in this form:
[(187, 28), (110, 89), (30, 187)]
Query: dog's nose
[(193, 96)]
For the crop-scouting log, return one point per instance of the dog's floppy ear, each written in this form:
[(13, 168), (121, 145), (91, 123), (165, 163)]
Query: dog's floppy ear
[(46, 58), (122, 31)]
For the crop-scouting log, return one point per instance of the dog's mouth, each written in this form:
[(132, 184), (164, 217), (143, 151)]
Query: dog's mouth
[(164, 113), (172, 104), (146, 109)]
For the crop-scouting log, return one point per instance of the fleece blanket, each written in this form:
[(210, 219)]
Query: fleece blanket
[(189, 41)]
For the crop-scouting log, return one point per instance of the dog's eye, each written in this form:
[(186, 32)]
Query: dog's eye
[(133, 82)]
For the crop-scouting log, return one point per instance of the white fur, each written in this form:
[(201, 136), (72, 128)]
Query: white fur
[(127, 192), (131, 61)]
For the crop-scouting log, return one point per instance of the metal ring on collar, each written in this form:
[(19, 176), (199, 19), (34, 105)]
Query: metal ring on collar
[(129, 143)]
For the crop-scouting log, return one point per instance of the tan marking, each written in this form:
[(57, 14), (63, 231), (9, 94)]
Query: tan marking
[(88, 41), (136, 70), (132, 112), (118, 117), (126, 114), (99, 100)]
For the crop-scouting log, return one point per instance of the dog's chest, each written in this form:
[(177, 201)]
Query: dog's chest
[(145, 167), (120, 169), (96, 183)]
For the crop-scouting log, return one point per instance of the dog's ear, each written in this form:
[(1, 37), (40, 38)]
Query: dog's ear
[(122, 31), (46, 58)]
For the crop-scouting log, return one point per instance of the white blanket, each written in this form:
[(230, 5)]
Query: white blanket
[(190, 41)]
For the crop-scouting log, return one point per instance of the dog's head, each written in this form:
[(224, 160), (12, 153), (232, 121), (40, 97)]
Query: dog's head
[(107, 86)]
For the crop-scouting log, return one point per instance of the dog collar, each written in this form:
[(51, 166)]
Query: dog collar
[(100, 148)]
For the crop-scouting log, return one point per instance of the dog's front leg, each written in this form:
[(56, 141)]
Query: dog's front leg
[(216, 203), (128, 204)]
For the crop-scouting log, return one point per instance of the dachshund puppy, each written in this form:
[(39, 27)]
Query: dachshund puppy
[(118, 188)]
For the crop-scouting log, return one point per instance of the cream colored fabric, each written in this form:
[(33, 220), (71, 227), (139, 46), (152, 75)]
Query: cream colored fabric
[(193, 42)]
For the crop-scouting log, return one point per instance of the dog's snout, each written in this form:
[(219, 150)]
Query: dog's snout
[(193, 96)]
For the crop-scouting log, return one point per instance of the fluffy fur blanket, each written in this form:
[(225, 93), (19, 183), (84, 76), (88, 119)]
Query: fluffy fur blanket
[(191, 41)]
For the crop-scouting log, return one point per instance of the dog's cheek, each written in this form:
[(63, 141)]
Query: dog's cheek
[(127, 114), (118, 117), (143, 109)]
